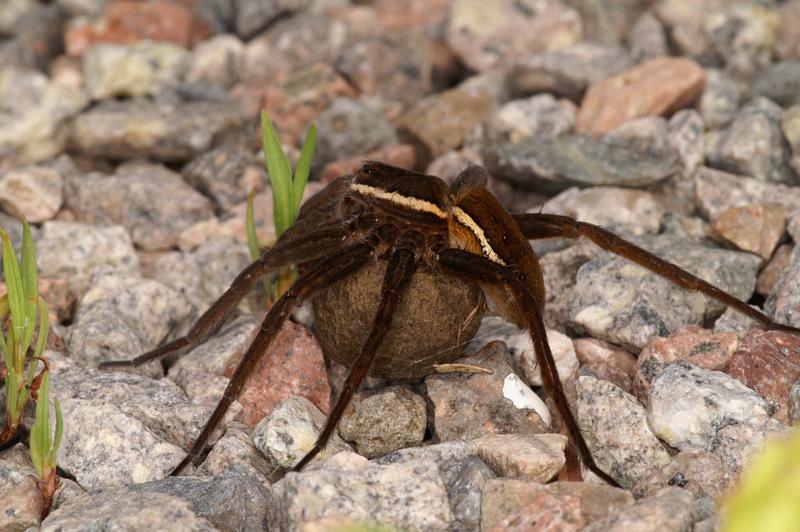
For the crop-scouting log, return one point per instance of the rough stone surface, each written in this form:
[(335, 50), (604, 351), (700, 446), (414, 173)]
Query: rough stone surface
[(695, 345), (482, 33), (289, 432), (736, 444), (168, 132), (566, 71), (770, 273), (409, 496), (384, 421), (754, 145), (606, 362), (623, 303), (20, 499), (537, 457), (546, 512), (780, 82), (669, 509), (467, 406), (252, 17), (151, 201), (560, 269), (155, 511), (122, 316), (72, 250), (219, 60), (756, 228), (34, 192), (720, 99), (235, 449), (292, 366), (717, 191), (142, 68), (553, 164), (538, 115), (685, 133), (33, 114), (659, 86), (699, 472), (769, 363), (616, 429), (635, 211), (783, 303), (689, 405), (466, 492)]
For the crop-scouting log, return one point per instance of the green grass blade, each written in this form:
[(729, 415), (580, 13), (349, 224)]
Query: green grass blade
[(16, 295), (280, 175), (40, 432), (59, 433), (30, 284), (303, 169), (44, 327), (250, 223), (3, 314)]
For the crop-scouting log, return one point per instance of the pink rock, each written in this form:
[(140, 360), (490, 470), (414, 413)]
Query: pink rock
[(772, 271), (546, 512), (293, 365), (657, 87), (401, 155), (701, 347), (756, 227), (769, 363)]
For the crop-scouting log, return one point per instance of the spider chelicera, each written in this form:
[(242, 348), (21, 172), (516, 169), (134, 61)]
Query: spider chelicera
[(414, 221)]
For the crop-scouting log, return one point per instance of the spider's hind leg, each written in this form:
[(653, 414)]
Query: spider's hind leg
[(536, 226)]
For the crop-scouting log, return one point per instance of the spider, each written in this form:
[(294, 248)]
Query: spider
[(412, 222)]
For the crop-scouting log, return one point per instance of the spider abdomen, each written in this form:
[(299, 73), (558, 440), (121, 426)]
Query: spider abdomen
[(435, 318)]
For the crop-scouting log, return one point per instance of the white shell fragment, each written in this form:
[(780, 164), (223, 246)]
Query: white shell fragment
[(522, 396)]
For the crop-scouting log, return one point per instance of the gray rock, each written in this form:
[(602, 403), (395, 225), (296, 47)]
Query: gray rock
[(720, 100), (252, 17), (450, 457), (614, 425), (623, 303), (220, 60), (83, 7), (646, 133), (718, 191), (408, 496), (548, 164), (289, 432), (686, 136), (379, 422), (348, 128), (697, 471), (617, 209), (33, 192), (647, 38), (735, 444), (780, 82), (138, 69), (233, 450), (33, 114), (782, 303), (794, 403), (537, 457), (566, 71), (689, 405), (467, 406), (226, 175), (215, 354), (72, 250), (560, 269), (151, 201), (122, 316), (743, 34), (168, 132), (138, 511), (20, 499), (465, 494), (204, 274), (236, 499), (734, 321), (670, 509), (538, 115), (754, 144)]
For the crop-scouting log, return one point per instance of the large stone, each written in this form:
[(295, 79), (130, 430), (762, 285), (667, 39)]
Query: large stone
[(34, 193), (756, 228)]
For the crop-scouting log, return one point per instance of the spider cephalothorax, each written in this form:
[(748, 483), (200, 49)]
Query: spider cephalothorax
[(411, 225)]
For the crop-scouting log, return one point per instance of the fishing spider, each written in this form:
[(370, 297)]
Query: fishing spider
[(415, 221)]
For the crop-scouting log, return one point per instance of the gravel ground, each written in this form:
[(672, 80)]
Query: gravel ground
[(128, 138)]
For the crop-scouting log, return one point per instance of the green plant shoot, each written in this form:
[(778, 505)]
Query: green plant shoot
[(768, 491), (23, 303), (287, 192), (44, 446)]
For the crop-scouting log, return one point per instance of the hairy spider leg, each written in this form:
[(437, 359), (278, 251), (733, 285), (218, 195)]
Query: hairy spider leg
[(478, 268), (399, 271), (327, 273), (536, 226), (286, 251)]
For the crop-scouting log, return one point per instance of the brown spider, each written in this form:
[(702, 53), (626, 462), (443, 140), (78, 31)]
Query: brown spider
[(415, 221)]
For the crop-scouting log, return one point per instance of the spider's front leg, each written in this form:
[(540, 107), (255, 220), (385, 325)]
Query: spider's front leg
[(535, 226), (487, 272)]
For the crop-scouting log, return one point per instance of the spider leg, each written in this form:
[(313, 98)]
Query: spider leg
[(536, 226), (304, 248), (399, 271), (328, 272), (483, 270)]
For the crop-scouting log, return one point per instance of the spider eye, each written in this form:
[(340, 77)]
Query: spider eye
[(368, 169)]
